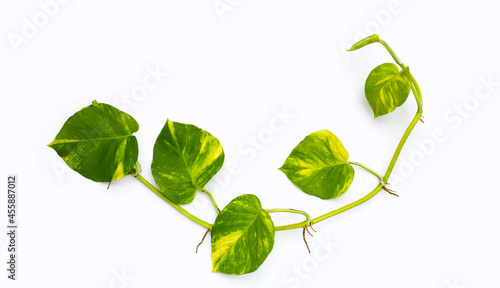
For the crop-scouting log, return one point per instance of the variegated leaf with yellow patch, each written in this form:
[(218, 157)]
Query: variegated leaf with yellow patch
[(185, 158), (318, 166), (242, 236), (387, 88), (97, 142)]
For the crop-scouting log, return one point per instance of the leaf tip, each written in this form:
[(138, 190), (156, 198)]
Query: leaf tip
[(51, 144)]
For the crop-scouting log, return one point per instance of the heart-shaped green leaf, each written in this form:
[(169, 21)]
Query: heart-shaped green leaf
[(242, 236), (97, 142), (185, 158), (318, 166), (387, 88)]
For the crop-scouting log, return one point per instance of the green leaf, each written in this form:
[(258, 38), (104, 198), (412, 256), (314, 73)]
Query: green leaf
[(97, 142), (365, 41), (242, 236), (387, 88), (185, 158), (318, 166)]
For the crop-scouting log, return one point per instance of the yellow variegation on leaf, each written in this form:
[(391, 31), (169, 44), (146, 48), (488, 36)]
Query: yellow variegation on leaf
[(242, 236), (185, 158), (318, 166), (97, 142), (387, 88)]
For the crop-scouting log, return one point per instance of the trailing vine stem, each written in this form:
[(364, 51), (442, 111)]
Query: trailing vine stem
[(393, 54), (308, 222), (418, 97), (349, 206), (305, 223), (372, 171), (179, 208)]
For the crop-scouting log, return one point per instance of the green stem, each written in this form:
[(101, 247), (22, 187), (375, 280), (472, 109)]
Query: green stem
[(291, 226), (212, 199), (349, 206), (416, 92), (378, 175), (400, 146), (329, 214), (393, 54), (179, 208), (418, 97)]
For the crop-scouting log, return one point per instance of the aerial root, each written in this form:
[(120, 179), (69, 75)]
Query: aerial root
[(311, 226), (309, 232), (304, 236), (202, 239), (392, 192)]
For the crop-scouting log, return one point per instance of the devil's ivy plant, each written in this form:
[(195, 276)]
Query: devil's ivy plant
[(98, 143)]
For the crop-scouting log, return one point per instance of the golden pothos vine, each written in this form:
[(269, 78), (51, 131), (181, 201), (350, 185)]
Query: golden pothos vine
[(98, 143)]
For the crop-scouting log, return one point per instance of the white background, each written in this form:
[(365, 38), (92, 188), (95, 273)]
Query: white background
[(232, 73)]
